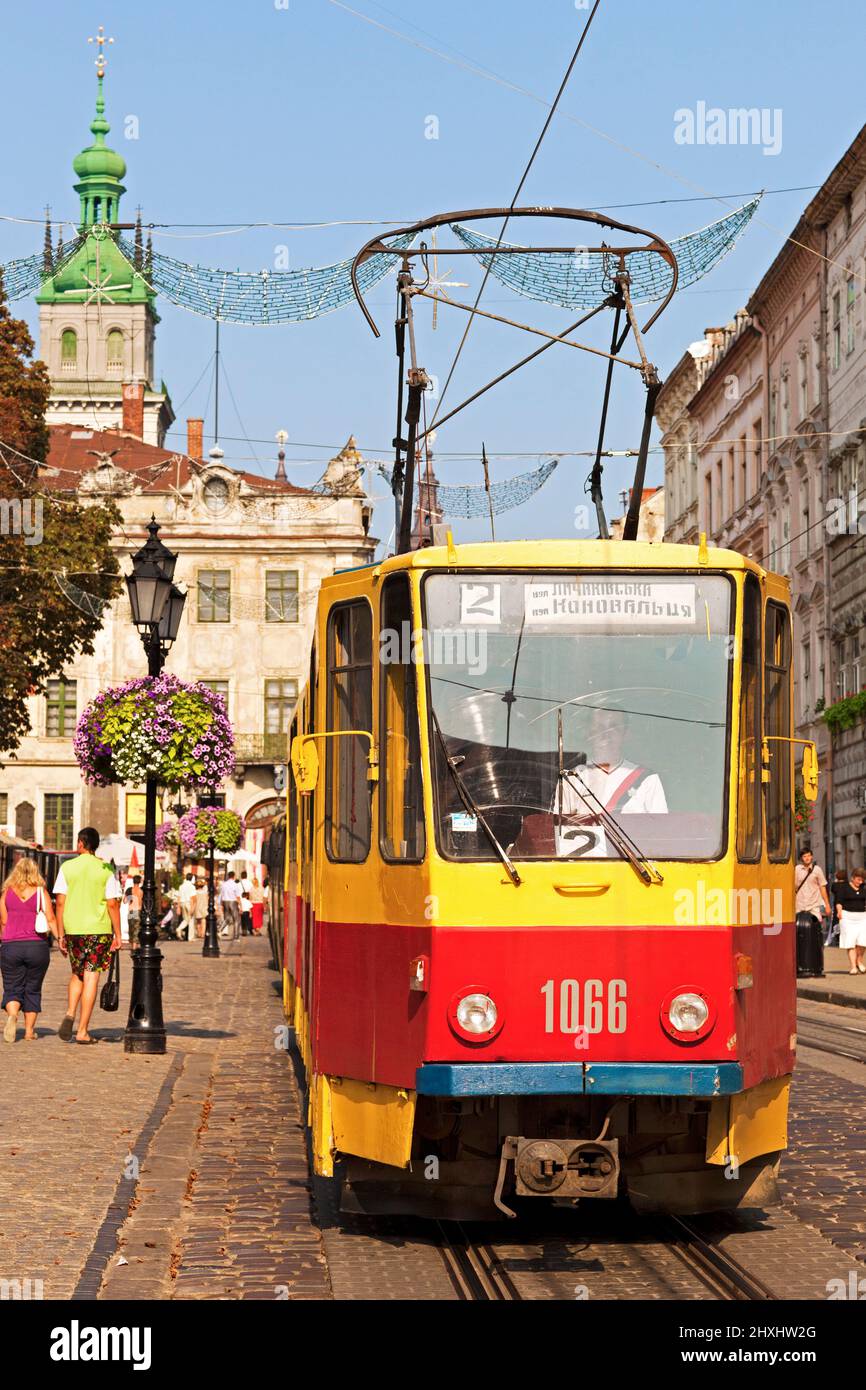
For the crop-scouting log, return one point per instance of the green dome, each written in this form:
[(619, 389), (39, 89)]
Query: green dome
[(98, 159), (99, 170)]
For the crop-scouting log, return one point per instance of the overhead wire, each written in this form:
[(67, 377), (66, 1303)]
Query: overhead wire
[(524, 176)]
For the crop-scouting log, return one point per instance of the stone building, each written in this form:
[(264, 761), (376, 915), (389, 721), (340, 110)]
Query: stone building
[(679, 444), (651, 516), (840, 209), (252, 550)]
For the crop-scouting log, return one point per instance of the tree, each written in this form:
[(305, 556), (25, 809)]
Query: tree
[(43, 534)]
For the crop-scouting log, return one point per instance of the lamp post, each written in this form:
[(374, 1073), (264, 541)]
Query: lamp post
[(211, 945), (157, 606)]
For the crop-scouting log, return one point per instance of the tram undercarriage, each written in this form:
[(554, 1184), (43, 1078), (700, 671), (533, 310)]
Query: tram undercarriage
[(482, 1158)]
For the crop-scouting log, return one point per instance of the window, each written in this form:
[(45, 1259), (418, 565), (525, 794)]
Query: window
[(60, 708), (708, 502), (214, 596), (68, 350), (784, 556), (756, 454), (114, 352), (216, 494), (749, 779), (803, 382), (349, 706), (401, 799), (855, 664), (744, 471), (806, 528), (25, 821), (777, 727), (4, 810), (218, 688), (281, 596), (806, 680), (281, 696), (58, 821), (849, 315), (786, 404), (837, 329), (816, 368), (774, 416), (841, 670)]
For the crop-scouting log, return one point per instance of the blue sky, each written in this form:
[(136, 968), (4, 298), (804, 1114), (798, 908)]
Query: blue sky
[(297, 110)]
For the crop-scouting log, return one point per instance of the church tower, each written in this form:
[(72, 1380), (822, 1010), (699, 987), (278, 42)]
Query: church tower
[(97, 318)]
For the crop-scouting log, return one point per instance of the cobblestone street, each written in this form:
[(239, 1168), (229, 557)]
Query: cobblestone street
[(185, 1176), (221, 1207)]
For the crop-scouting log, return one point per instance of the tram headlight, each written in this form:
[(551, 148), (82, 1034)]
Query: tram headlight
[(688, 1015), (473, 1015)]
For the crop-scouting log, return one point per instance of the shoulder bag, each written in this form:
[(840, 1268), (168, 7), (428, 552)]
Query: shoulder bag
[(109, 998)]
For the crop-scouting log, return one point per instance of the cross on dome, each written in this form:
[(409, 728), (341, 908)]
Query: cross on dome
[(100, 42)]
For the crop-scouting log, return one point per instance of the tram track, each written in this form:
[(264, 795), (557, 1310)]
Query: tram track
[(474, 1268), (715, 1268), (837, 1039)]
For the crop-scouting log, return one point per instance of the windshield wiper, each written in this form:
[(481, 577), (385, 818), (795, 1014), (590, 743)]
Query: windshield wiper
[(469, 803), (622, 841)]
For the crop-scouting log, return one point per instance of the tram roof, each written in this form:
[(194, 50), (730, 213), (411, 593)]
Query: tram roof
[(558, 554)]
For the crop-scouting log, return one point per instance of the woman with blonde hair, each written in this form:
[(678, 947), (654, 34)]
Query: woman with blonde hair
[(26, 915)]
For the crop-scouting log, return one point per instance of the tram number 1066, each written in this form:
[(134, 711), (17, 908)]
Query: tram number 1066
[(591, 1007)]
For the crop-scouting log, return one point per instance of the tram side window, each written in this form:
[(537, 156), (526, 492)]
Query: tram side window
[(292, 829), (350, 706), (401, 804), (777, 725), (749, 780)]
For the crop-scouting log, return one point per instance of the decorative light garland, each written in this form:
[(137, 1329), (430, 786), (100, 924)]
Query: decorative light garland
[(581, 280)]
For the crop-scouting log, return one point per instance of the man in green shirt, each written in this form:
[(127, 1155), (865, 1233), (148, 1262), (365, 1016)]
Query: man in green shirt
[(88, 928)]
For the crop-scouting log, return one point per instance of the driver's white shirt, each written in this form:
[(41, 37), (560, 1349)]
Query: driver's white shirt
[(647, 798)]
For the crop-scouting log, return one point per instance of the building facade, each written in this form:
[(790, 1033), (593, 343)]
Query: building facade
[(252, 550), (840, 208)]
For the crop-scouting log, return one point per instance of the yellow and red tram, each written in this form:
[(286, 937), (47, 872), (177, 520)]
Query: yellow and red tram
[(538, 891)]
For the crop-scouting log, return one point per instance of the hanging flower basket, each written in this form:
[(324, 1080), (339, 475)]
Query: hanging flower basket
[(205, 823), (167, 836), (159, 727)]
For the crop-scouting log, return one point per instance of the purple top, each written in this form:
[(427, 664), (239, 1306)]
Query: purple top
[(20, 917)]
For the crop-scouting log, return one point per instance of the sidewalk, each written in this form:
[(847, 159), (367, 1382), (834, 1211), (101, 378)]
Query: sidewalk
[(190, 1167), (837, 986)]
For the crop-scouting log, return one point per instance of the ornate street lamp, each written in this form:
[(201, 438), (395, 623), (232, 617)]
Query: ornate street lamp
[(211, 945), (157, 605)]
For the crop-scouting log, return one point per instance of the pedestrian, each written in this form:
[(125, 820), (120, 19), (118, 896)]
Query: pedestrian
[(88, 928), (186, 897), (135, 899), (851, 909), (26, 918), (840, 878), (230, 903), (257, 910), (200, 907), (810, 886)]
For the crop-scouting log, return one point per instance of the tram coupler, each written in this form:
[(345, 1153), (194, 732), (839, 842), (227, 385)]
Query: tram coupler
[(559, 1167)]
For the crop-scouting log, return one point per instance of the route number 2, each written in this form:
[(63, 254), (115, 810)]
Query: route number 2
[(590, 1008)]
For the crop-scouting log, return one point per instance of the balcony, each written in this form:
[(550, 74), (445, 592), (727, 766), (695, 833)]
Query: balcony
[(261, 748)]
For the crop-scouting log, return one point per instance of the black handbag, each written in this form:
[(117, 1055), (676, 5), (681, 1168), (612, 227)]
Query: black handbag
[(109, 998)]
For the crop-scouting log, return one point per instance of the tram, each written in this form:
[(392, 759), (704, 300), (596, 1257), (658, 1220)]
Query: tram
[(12, 849), (503, 985), (538, 895)]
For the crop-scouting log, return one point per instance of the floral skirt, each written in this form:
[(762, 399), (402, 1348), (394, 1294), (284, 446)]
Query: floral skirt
[(89, 953)]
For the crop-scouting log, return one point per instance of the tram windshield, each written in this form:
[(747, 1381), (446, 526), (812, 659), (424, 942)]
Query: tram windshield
[(569, 710)]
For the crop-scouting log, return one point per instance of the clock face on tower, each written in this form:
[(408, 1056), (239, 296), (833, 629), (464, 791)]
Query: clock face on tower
[(216, 494)]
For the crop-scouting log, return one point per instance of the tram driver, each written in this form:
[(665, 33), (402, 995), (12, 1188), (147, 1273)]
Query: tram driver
[(620, 786)]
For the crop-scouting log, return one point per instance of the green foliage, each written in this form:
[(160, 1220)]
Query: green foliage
[(844, 714), (804, 810)]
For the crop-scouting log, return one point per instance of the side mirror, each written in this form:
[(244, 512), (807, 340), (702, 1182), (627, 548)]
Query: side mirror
[(305, 764), (810, 772)]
